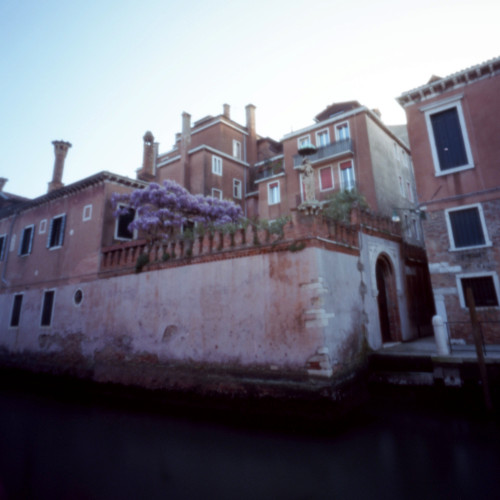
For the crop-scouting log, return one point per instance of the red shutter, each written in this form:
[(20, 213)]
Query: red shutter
[(326, 178), (345, 165)]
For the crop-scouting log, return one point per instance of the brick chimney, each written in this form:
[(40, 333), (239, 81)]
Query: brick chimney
[(185, 145), (252, 135), (147, 171), (226, 111), (3, 181), (60, 151)]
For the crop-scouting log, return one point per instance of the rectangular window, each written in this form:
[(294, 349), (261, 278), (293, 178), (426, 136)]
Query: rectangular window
[(122, 231), (237, 149), (237, 189), (304, 141), (322, 138), (448, 137), (347, 176), (56, 231), (325, 178), (16, 310), (401, 187), (3, 245), (483, 290), (26, 240), (87, 212), (217, 193), (273, 193), (47, 308), (216, 165), (466, 227), (409, 191), (342, 131)]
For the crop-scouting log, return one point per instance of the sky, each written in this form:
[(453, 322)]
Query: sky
[(99, 74)]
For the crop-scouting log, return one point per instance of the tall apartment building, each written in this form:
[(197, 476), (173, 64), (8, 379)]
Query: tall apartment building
[(453, 129)]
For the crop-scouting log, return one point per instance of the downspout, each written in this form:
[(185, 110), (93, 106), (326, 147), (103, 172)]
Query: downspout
[(7, 251)]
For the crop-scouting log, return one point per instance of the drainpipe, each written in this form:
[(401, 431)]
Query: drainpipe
[(7, 250)]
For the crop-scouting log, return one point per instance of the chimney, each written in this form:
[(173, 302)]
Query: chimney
[(377, 112), (252, 136), (60, 151), (3, 181), (227, 111), (146, 173), (184, 148)]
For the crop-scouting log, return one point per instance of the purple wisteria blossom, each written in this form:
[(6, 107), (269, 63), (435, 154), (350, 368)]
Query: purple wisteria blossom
[(161, 209)]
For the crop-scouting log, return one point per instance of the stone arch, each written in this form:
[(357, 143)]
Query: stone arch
[(387, 299)]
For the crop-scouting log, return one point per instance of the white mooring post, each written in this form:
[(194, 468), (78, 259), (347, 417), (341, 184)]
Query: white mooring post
[(443, 348)]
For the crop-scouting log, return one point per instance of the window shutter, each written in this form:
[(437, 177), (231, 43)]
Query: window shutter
[(50, 232), (449, 139), (326, 178), (30, 244), (61, 234), (345, 165), (467, 228)]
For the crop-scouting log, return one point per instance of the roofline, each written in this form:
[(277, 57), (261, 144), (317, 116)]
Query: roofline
[(480, 71)]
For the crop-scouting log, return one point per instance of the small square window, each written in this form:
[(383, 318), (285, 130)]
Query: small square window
[(56, 231), (466, 227), (483, 290), (273, 193), (26, 240), (237, 189), (42, 227), (15, 315), (216, 165), (87, 212), (217, 194)]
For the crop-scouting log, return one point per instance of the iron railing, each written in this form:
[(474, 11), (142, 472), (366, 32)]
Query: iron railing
[(331, 150)]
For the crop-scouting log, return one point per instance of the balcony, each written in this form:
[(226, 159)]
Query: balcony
[(269, 170), (330, 151)]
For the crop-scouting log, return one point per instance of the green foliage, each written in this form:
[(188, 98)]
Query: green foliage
[(297, 247), (141, 261), (341, 203), (165, 257)]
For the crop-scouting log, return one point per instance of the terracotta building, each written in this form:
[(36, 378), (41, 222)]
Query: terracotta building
[(453, 128)]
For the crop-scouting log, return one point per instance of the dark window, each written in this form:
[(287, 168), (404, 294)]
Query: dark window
[(483, 291), (56, 233), (16, 310), (448, 139), (48, 303), (26, 241), (124, 220), (3, 242), (466, 227)]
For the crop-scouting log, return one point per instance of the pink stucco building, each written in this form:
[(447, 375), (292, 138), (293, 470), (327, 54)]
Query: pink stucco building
[(453, 128)]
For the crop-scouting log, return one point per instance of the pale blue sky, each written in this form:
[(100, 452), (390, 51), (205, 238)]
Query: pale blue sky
[(100, 73)]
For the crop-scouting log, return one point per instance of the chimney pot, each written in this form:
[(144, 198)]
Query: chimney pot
[(60, 151)]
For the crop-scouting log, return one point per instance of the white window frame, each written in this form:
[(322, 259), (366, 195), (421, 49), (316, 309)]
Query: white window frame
[(484, 274), (60, 243), (237, 149), (451, 238), (31, 227), (117, 223), (217, 193), (216, 165), (305, 140), (342, 186), (432, 109), (237, 189), (271, 199), (401, 187), (52, 309), (320, 179), (338, 127), (42, 227), (12, 310), (87, 212), (3, 245), (319, 133)]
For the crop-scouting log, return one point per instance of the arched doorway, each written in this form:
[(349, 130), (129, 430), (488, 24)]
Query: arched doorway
[(387, 298)]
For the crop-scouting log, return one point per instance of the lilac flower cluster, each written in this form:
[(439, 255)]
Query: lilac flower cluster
[(159, 209)]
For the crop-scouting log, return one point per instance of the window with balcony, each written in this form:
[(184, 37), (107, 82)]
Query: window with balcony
[(342, 131), (322, 138), (56, 231), (484, 289), (466, 227), (26, 240), (347, 180), (448, 137), (237, 189), (216, 165), (325, 178), (304, 141), (273, 193)]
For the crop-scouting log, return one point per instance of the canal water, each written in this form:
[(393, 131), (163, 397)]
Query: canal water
[(65, 445)]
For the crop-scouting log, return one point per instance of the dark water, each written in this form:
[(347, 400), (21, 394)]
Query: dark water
[(65, 448)]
